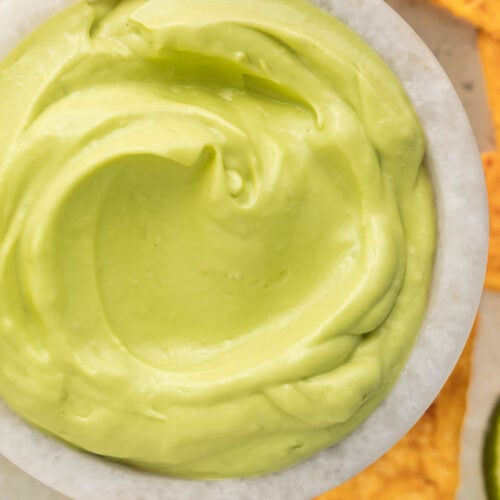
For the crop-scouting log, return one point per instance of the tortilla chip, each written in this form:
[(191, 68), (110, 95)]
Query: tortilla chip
[(484, 14), (424, 465), (489, 50), (491, 163)]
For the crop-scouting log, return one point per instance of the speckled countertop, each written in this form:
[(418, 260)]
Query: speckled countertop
[(453, 42)]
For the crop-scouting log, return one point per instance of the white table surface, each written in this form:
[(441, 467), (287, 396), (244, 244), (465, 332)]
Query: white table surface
[(453, 42)]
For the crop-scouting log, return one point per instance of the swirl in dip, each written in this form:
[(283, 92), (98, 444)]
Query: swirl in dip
[(216, 232)]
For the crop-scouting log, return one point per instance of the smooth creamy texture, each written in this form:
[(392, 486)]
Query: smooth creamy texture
[(216, 234)]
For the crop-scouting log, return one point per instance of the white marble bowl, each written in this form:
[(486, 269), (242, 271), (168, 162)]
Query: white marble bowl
[(456, 289)]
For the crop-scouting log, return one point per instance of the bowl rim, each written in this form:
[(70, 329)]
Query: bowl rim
[(460, 192)]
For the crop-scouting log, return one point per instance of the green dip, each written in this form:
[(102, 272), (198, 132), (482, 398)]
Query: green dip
[(216, 232)]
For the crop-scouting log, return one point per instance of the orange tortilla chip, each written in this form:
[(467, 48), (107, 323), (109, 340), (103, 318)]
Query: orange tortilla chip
[(489, 50), (484, 14), (491, 163), (424, 465)]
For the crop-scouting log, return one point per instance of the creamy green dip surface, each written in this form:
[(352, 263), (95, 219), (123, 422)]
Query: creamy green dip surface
[(216, 233)]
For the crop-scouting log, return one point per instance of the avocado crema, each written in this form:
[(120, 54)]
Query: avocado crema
[(216, 232)]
